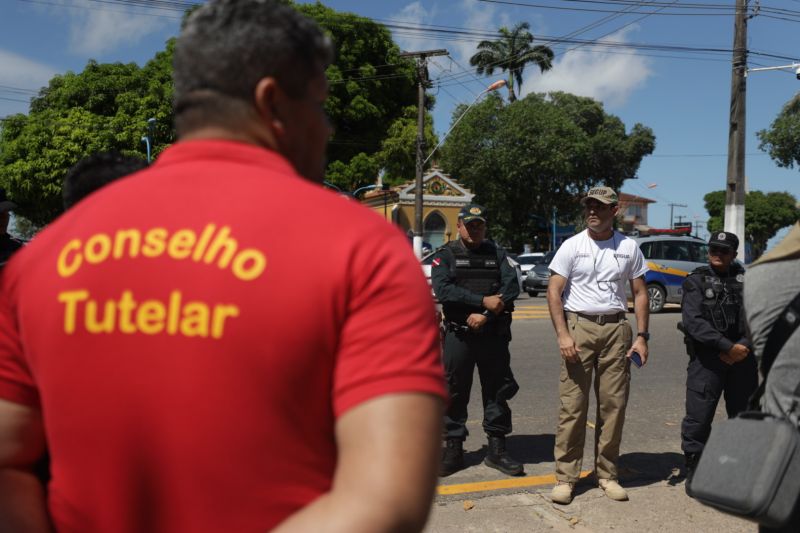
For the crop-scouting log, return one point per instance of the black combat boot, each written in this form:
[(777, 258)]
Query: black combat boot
[(499, 459), (452, 457), (691, 463)]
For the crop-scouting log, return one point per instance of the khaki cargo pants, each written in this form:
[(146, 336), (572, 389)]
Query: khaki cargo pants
[(602, 351)]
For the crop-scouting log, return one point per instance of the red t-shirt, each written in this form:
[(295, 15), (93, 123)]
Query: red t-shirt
[(192, 333)]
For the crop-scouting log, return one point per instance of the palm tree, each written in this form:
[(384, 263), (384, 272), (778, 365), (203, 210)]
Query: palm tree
[(511, 52)]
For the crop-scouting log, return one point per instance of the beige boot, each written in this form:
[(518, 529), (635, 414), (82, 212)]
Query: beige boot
[(562, 492), (613, 489)]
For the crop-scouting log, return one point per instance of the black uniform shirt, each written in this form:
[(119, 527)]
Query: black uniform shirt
[(698, 326), (443, 277)]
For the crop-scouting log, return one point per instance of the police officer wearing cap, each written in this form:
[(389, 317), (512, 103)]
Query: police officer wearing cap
[(8, 244), (477, 286), (720, 356)]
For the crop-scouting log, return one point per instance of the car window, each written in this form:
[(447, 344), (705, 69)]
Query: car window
[(656, 251), (529, 259), (699, 252), (676, 251), (647, 250)]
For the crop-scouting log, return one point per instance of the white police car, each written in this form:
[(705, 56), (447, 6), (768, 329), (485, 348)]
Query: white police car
[(669, 259)]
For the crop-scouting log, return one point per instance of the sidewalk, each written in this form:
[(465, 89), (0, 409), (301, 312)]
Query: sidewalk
[(655, 506)]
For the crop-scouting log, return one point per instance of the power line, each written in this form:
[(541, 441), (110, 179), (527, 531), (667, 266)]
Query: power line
[(100, 8), (14, 100), (717, 10)]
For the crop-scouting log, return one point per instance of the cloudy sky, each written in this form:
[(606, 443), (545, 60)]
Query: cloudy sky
[(664, 67)]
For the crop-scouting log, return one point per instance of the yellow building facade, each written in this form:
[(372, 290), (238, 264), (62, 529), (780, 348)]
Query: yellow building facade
[(442, 199)]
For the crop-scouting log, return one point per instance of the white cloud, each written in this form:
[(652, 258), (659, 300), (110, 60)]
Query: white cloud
[(594, 72), (468, 14), (95, 31), (477, 16), (21, 79), (23, 73), (415, 14)]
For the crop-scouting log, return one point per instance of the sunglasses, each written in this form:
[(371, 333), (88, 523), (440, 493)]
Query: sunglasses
[(719, 250)]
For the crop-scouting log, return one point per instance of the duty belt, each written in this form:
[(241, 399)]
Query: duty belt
[(600, 319), (456, 327)]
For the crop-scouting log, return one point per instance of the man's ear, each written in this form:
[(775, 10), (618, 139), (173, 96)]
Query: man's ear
[(267, 98)]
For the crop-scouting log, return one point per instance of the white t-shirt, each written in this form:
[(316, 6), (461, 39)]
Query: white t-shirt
[(597, 272)]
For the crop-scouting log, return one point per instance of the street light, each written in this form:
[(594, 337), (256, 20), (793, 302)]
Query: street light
[(418, 189), (794, 66), (353, 194), (493, 87), (356, 192), (148, 139)]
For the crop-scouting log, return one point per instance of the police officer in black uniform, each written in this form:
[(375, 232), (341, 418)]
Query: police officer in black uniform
[(8, 244), (720, 356), (476, 285)]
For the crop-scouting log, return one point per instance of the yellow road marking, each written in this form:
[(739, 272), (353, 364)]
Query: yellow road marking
[(590, 424), (510, 483)]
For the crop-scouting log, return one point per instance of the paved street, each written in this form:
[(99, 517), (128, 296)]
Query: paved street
[(482, 499)]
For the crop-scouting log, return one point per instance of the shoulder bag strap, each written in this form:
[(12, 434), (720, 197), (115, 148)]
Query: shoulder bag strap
[(782, 329)]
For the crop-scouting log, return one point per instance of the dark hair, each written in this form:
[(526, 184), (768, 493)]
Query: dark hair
[(227, 46), (95, 171)]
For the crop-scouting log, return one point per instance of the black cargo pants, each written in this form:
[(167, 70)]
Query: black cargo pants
[(708, 378), (463, 350)]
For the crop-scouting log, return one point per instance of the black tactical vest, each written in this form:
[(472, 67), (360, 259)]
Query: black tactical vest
[(722, 299), (475, 270)]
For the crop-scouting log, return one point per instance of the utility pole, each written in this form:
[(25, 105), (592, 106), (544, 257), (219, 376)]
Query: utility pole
[(680, 219), (422, 81), (735, 189), (697, 224), (671, 224)]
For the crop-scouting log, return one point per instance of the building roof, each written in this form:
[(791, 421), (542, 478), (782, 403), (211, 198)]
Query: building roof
[(632, 198)]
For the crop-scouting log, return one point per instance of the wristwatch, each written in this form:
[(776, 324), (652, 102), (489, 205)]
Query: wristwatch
[(645, 334)]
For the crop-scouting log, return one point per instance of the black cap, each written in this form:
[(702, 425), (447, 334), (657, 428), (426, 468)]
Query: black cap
[(725, 239), (472, 212), (6, 205)]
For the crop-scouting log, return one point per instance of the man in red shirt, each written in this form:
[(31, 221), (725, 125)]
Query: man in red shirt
[(175, 344)]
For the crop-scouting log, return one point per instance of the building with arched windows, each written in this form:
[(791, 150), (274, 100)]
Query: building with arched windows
[(442, 199)]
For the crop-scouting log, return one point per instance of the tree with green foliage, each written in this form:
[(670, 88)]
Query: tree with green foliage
[(104, 107), (511, 52), (526, 158), (107, 106), (372, 90), (764, 215), (782, 140)]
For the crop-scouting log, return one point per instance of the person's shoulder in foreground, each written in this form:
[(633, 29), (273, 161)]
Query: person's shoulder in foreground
[(765, 301), (184, 313)]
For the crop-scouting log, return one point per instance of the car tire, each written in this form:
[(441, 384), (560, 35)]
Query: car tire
[(657, 296), (533, 293)]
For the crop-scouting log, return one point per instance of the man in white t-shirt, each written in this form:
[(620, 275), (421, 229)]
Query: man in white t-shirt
[(587, 302)]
